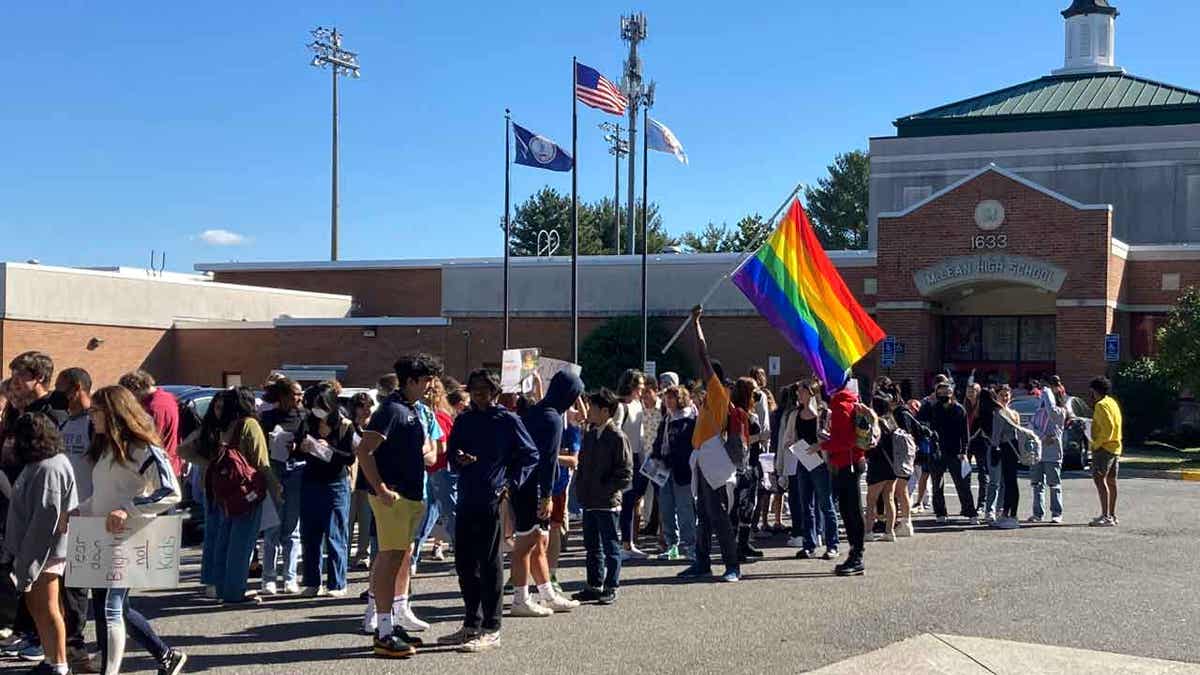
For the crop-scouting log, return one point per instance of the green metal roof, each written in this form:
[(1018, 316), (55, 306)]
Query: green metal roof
[(1079, 101)]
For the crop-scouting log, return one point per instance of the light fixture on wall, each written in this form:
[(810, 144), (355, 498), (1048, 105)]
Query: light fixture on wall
[(369, 332), (94, 344)]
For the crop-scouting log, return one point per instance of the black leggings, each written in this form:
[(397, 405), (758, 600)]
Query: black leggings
[(847, 486), (1008, 473)]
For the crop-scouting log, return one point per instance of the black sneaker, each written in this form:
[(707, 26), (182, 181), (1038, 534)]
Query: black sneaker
[(402, 634), (879, 527), (43, 668), (751, 552), (853, 567), (607, 597), (587, 595), (805, 554), (392, 647), (173, 664)]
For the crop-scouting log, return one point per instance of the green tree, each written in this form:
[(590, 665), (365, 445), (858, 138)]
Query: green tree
[(749, 233), (1148, 398), (550, 211), (1179, 342), (616, 345), (712, 238), (838, 205)]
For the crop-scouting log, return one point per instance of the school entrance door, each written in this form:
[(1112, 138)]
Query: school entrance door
[(999, 349)]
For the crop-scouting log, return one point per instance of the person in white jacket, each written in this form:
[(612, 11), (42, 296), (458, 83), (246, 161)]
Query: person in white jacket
[(132, 478)]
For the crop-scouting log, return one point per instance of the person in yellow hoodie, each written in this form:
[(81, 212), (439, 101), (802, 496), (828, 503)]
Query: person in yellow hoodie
[(1106, 450)]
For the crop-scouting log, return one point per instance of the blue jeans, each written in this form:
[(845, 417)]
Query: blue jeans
[(325, 524), (441, 500), (210, 570), (677, 509), (816, 488), (995, 491), (231, 553), (111, 607), (1043, 475), (286, 535), (603, 544)]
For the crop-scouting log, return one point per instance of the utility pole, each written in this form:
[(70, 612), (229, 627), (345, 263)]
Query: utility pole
[(619, 148), (327, 52), (633, 31)]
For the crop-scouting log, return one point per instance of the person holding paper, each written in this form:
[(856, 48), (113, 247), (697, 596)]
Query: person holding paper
[(35, 543), (812, 484), (133, 477), (325, 493), (673, 446), (720, 446), (631, 418), (284, 425), (948, 420), (1004, 444)]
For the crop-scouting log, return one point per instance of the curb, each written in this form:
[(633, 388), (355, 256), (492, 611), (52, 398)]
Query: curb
[(1163, 474)]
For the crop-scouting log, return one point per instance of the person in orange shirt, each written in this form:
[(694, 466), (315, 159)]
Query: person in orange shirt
[(720, 442)]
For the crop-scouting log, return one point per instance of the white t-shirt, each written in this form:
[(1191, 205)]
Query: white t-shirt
[(76, 435), (632, 424)]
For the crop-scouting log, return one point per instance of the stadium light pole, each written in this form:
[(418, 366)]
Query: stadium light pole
[(618, 149), (328, 53)]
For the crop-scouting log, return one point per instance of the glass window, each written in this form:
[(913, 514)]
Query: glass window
[(1037, 338), (999, 338), (961, 338)]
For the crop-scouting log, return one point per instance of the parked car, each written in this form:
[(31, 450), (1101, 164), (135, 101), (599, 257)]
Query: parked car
[(1077, 435), (192, 399), (349, 392)]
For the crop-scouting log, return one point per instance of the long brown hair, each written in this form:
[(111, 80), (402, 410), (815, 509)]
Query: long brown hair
[(125, 423), (435, 397)]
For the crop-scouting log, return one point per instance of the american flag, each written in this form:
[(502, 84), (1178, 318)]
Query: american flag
[(593, 90)]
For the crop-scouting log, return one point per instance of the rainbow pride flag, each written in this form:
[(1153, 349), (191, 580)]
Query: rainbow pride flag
[(795, 287)]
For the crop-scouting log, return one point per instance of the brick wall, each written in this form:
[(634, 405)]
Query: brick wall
[(1143, 280), (382, 292), (1080, 344), (202, 356), (122, 349)]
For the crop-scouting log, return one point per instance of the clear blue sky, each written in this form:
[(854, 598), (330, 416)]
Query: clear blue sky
[(138, 126)]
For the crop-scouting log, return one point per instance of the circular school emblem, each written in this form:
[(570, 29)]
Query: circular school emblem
[(542, 149), (989, 214)]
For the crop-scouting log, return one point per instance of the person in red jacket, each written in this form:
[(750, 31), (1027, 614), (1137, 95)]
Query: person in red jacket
[(847, 462)]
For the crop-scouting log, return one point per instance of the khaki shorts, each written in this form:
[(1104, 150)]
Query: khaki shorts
[(1104, 463), (396, 525)]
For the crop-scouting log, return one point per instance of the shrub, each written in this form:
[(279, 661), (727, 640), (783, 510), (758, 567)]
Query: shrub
[(617, 345), (1147, 396)]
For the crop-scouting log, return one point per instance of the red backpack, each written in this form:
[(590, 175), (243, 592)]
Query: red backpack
[(234, 483)]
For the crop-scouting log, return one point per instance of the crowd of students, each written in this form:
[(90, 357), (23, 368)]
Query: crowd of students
[(302, 470)]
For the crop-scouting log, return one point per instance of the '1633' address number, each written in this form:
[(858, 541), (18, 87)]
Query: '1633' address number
[(989, 241)]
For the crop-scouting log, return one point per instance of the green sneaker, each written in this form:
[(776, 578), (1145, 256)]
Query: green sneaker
[(670, 554)]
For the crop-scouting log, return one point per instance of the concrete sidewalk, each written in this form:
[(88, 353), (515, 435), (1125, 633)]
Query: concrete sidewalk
[(930, 653)]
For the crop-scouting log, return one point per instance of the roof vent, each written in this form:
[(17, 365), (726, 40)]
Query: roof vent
[(1090, 38)]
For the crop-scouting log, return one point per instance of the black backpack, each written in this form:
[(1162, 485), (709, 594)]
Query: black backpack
[(189, 420)]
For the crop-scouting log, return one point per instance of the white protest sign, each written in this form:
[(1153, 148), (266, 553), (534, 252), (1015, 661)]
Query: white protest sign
[(656, 471), (516, 365), (548, 368), (145, 555)]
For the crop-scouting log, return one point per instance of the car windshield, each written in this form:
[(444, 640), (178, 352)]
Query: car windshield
[(1079, 408)]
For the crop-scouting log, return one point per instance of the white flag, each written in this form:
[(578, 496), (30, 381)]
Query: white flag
[(660, 138)]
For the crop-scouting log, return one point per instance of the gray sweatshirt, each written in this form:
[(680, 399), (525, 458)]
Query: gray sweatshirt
[(43, 495)]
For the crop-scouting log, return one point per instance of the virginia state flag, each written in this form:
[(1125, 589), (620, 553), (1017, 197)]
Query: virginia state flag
[(540, 152)]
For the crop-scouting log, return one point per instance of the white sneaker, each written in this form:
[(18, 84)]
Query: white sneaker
[(269, 588), (484, 642), (887, 537), (633, 553), (408, 621), (313, 592), (905, 529), (873, 536), (292, 587), (795, 542), (990, 517), (974, 520), (557, 603), (1056, 520), (370, 620), (210, 592), (529, 609), (439, 552), (336, 592)]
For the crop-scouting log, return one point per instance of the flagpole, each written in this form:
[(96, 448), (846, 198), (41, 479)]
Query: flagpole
[(645, 240), (574, 212), (507, 222), (745, 255)]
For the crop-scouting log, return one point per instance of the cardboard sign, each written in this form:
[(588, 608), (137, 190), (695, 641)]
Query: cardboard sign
[(548, 368), (145, 555), (516, 367)]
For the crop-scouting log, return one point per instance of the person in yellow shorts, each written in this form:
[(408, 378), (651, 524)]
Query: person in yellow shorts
[(393, 454)]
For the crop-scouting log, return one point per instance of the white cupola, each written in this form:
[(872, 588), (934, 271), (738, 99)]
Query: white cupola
[(1090, 38)]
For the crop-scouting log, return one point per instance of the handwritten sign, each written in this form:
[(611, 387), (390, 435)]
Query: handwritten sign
[(516, 367), (145, 555)]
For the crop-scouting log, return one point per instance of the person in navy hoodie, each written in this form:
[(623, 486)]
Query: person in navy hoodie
[(493, 453), (532, 503)]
